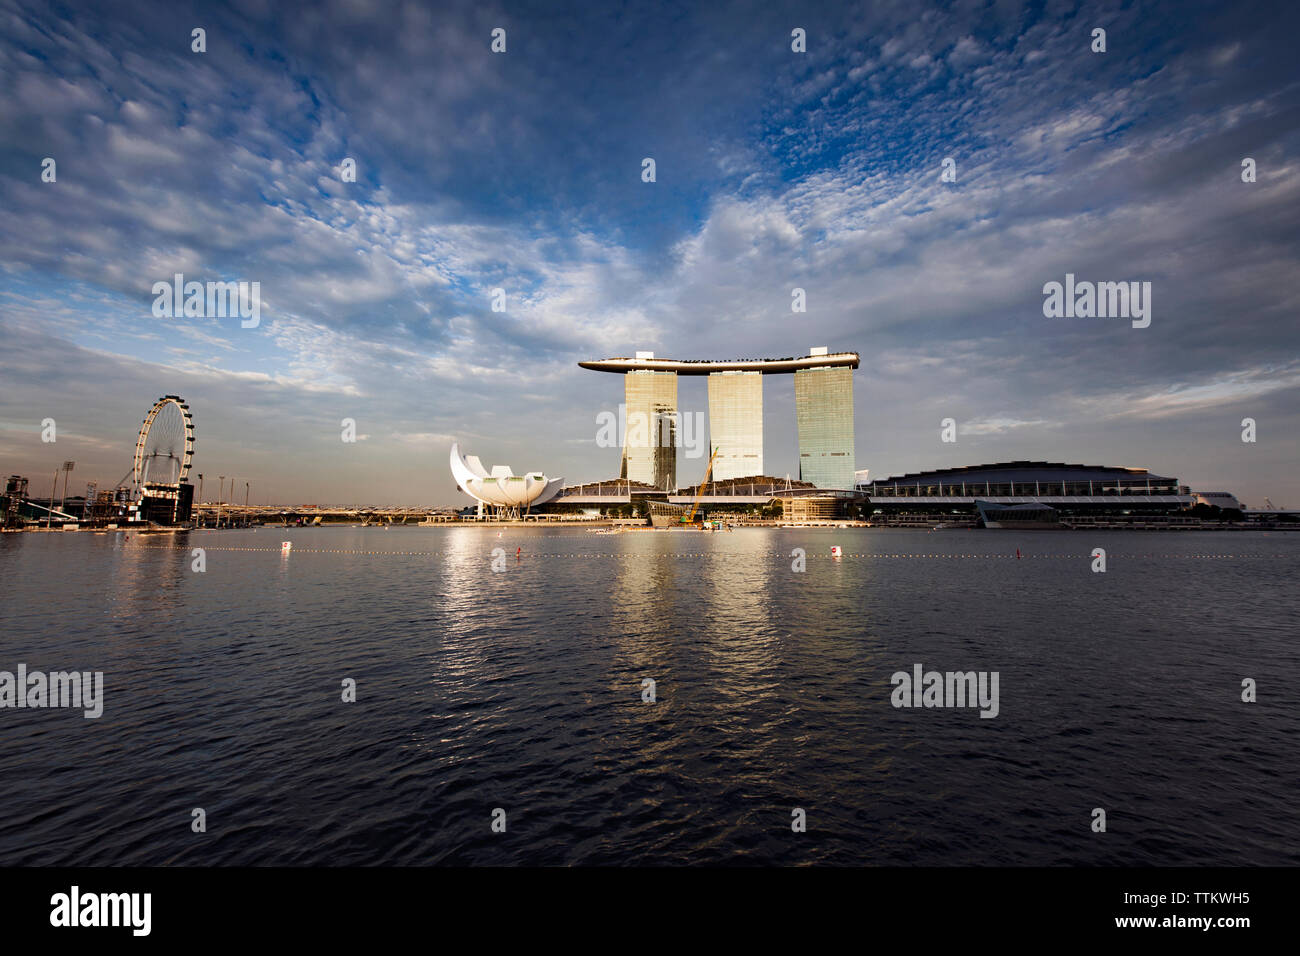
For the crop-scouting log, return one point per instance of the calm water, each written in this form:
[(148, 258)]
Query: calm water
[(522, 690)]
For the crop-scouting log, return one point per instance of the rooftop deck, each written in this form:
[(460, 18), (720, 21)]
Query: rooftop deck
[(768, 366)]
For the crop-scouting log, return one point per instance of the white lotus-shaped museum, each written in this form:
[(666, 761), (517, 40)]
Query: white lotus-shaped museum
[(501, 488)]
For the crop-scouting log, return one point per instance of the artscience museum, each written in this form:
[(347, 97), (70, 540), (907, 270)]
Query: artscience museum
[(501, 492)]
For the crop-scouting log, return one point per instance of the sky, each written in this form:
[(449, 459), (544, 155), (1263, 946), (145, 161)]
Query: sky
[(522, 170)]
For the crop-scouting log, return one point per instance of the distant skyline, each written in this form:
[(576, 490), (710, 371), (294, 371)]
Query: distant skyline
[(522, 171)]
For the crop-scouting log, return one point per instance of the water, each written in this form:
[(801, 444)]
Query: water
[(522, 690)]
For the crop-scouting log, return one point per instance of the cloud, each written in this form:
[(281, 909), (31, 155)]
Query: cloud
[(521, 171)]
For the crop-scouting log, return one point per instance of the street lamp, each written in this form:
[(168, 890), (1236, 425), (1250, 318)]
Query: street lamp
[(54, 487), (67, 470)]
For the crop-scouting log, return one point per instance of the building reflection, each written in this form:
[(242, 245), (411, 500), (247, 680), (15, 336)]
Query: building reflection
[(146, 581), (650, 598), (738, 581)]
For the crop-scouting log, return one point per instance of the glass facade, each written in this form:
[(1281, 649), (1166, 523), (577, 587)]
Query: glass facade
[(736, 423), (823, 399), (650, 432)]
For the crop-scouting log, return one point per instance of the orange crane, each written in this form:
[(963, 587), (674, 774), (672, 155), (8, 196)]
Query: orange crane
[(699, 493)]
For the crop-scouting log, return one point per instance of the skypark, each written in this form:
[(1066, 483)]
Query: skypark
[(646, 362)]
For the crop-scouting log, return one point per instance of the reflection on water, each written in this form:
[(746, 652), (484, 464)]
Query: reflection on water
[(646, 601), (142, 582), (522, 688)]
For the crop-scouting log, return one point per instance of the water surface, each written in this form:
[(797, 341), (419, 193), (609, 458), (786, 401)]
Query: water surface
[(522, 690)]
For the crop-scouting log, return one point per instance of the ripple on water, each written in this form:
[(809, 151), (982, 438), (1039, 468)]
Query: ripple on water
[(522, 690)]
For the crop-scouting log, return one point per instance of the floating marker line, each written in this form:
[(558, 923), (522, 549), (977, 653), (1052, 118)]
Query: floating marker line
[(622, 555)]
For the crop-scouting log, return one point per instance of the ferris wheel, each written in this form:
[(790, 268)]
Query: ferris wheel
[(165, 448)]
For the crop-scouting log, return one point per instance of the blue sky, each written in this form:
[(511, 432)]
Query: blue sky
[(522, 171)]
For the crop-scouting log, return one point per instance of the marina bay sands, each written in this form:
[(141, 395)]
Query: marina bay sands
[(823, 390)]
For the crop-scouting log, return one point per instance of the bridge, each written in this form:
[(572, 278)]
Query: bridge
[(209, 514)]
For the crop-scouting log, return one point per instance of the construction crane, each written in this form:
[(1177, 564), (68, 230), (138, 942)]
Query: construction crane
[(699, 492)]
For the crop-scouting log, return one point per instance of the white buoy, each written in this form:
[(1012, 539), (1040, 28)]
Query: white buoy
[(286, 547), (836, 551)]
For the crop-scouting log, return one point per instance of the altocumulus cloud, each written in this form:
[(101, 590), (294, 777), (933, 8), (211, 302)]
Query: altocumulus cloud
[(522, 172)]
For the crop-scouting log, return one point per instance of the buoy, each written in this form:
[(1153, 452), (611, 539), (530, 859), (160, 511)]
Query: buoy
[(286, 547), (836, 551)]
